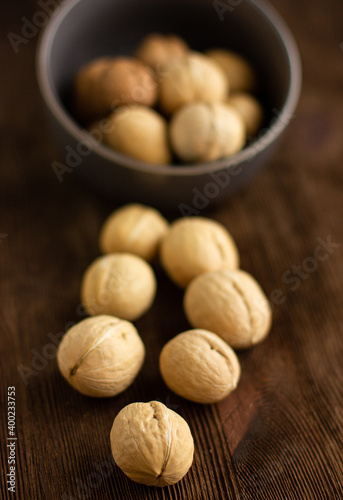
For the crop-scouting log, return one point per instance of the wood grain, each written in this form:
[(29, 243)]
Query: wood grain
[(280, 434)]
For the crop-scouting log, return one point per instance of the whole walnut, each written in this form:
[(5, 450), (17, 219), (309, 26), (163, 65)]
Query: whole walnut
[(119, 284), (135, 229), (198, 365), (157, 50), (88, 103), (139, 132), (104, 84), (152, 444), (201, 132), (230, 303), (101, 356), (195, 245), (237, 69), (191, 78), (250, 110)]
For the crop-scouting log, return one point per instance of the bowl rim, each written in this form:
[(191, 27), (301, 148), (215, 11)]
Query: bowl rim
[(270, 134)]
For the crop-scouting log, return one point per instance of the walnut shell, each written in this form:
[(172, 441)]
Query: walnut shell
[(230, 303), (101, 356), (194, 77), (237, 69), (119, 284), (89, 103), (157, 50), (198, 365), (152, 444), (195, 245), (250, 110), (106, 83), (202, 132), (141, 133), (135, 229)]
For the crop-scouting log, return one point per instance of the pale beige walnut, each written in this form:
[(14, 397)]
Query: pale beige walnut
[(237, 69), (194, 77), (101, 356), (250, 110), (152, 444), (106, 83), (139, 132), (230, 303), (198, 365), (135, 229), (157, 50), (195, 245), (201, 132), (120, 284)]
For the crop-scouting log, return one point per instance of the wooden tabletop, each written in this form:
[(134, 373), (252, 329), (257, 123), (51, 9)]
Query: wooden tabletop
[(280, 434)]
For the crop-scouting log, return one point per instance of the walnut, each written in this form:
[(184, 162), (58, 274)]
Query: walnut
[(195, 245), (231, 304), (250, 110), (101, 356), (105, 83), (203, 132), (139, 132), (120, 284), (200, 366), (194, 77), (237, 69), (157, 50), (152, 444), (135, 229)]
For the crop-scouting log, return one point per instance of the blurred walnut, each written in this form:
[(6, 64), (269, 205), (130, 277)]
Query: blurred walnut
[(88, 104), (141, 133), (202, 132), (104, 84), (191, 78), (157, 50), (237, 69), (250, 110), (135, 229)]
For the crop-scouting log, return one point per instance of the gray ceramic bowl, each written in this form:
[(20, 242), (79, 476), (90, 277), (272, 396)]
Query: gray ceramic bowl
[(85, 29)]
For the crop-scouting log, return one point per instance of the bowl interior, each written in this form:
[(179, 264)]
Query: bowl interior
[(85, 29)]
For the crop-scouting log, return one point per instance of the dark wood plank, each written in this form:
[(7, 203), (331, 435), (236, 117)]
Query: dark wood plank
[(284, 423), (280, 434)]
